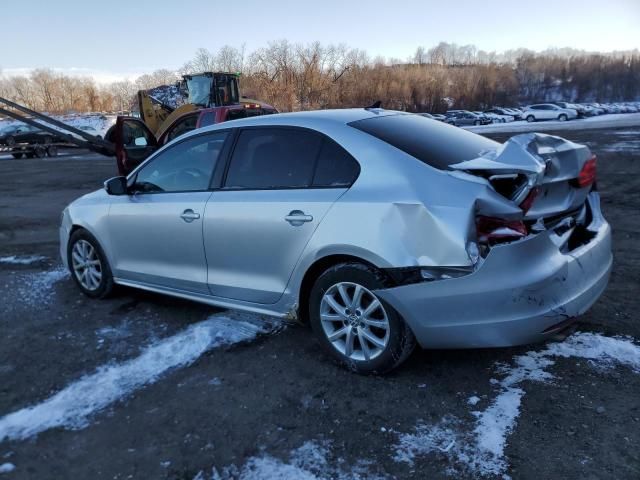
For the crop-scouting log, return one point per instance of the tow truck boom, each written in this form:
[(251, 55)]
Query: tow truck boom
[(90, 142)]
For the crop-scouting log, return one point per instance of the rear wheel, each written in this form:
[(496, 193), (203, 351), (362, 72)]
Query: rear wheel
[(88, 265), (355, 326), (531, 118), (562, 117), (10, 141), (52, 151), (39, 151)]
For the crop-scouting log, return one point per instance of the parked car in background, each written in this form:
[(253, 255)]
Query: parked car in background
[(499, 115), (464, 117), (322, 216), (597, 109), (434, 116), (24, 133), (503, 112), (548, 111), (573, 106)]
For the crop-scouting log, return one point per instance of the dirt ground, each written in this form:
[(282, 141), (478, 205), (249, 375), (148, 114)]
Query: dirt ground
[(252, 404)]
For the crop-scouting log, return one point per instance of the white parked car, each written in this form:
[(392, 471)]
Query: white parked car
[(548, 111)]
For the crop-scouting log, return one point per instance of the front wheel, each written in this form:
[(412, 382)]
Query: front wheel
[(531, 118), (355, 326), (88, 265), (562, 117)]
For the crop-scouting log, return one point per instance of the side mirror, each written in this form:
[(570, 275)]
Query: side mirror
[(116, 186), (140, 142)]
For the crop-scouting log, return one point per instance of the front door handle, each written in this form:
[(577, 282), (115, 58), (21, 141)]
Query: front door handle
[(189, 215), (298, 217)]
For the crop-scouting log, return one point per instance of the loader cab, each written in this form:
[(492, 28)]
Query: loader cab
[(211, 89)]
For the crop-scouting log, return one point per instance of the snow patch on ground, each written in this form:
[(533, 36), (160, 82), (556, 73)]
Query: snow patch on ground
[(308, 462), (601, 121), (626, 146), (22, 260), (36, 289), (480, 451), (7, 468), (71, 407), (473, 400)]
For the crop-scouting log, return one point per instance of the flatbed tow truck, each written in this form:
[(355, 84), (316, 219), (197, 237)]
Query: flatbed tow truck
[(67, 134)]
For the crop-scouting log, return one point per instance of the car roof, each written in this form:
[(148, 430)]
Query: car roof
[(306, 118)]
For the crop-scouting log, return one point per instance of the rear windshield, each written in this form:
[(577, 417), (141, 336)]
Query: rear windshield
[(430, 141)]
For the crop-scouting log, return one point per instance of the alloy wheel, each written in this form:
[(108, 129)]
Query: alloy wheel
[(86, 265), (354, 321)]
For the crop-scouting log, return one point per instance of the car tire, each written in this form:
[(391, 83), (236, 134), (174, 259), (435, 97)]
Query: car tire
[(95, 280), (52, 151), (10, 141), (29, 154), (477, 122), (531, 118), (378, 340), (562, 117), (39, 151), (17, 156)]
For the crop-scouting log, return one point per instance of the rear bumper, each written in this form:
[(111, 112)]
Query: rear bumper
[(523, 293)]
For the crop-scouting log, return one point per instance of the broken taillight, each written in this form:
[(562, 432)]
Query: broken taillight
[(492, 230), (587, 175), (529, 199)]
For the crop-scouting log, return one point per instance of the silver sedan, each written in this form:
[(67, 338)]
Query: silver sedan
[(379, 228)]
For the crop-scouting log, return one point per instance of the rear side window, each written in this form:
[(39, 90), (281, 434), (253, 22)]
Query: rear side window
[(335, 167), (266, 158), (434, 143)]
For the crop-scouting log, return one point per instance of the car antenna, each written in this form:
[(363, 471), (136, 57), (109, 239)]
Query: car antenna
[(377, 104)]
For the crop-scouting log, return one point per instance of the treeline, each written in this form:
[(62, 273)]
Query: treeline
[(300, 77)]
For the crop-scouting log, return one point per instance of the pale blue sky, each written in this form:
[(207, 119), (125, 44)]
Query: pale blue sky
[(123, 38)]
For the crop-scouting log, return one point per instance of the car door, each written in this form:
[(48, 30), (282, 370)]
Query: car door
[(155, 232), (272, 200), (134, 143)]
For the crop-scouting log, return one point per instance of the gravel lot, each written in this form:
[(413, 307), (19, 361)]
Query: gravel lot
[(253, 398)]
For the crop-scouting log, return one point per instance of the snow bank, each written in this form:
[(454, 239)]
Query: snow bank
[(481, 451), (601, 121), (7, 468), (71, 407)]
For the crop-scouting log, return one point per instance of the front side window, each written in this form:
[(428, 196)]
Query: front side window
[(267, 158), (185, 167)]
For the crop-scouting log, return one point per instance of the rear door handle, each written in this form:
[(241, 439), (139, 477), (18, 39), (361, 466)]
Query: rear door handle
[(189, 215), (298, 217)]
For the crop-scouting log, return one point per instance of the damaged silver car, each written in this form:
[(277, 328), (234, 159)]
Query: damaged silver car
[(381, 229)]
